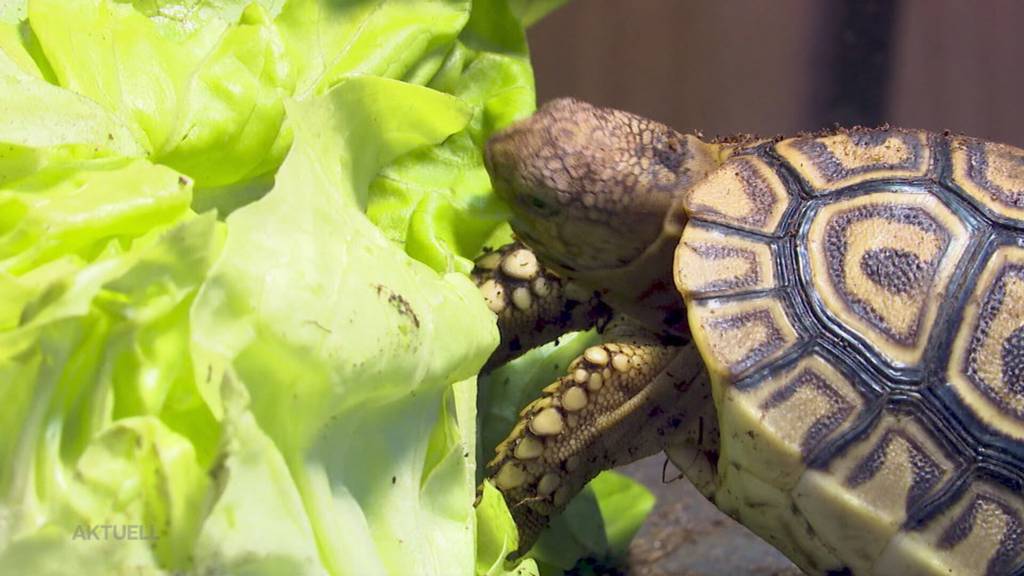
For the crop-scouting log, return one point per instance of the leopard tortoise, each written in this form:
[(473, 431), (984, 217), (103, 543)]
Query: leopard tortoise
[(824, 333)]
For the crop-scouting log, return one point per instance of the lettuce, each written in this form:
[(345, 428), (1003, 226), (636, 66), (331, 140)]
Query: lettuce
[(236, 331)]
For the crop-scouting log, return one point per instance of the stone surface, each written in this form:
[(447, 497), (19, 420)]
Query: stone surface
[(685, 535)]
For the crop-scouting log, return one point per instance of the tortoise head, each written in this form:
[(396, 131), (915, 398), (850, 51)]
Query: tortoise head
[(590, 187)]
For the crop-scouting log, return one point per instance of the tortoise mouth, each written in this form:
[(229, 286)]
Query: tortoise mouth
[(521, 161), (550, 258)]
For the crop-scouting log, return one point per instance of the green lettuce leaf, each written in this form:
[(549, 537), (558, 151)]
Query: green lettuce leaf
[(42, 123), (362, 341), (234, 314), (496, 537), (100, 426), (438, 202)]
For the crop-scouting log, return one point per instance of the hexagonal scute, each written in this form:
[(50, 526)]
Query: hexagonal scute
[(981, 532), (849, 157), (709, 263), (861, 500), (775, 424), (737, 336), (881, 263), (743, 193), (986, 367), (992, 175)]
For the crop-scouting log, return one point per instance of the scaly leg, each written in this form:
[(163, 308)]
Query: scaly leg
[(622, 400), (534, 306)]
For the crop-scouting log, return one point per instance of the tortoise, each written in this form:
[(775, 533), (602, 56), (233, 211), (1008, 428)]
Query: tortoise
[(824, 333)]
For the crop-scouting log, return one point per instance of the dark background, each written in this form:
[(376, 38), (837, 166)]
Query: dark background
[(780, 66), (771, 67)]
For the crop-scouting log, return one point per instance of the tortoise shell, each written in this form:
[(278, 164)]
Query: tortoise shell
[(858, 297)]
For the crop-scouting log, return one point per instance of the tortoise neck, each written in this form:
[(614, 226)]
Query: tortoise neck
[(644, 289)]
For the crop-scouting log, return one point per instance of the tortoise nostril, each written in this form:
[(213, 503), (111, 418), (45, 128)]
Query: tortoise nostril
[(671, 154)]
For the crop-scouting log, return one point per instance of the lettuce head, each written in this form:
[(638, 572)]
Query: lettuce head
[(237, 335)]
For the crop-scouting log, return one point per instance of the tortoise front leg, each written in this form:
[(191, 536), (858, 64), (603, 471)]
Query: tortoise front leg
[(620, 401), (534, 306)]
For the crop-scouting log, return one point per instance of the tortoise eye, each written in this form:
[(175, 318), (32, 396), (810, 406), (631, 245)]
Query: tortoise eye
[(536, 202)]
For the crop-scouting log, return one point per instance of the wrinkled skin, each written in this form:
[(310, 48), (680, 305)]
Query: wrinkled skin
[(595, 195)]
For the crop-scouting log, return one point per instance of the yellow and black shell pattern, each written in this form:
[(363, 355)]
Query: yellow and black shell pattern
[(858, 298)]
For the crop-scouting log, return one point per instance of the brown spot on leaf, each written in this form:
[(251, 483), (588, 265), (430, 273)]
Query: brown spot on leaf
[(400, 304)]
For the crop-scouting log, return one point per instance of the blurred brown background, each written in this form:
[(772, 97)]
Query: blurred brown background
[(781, 66), (771, 67)]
